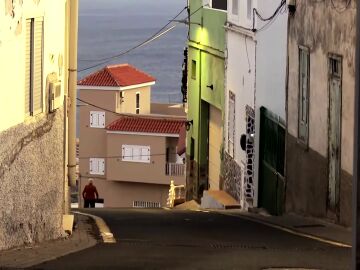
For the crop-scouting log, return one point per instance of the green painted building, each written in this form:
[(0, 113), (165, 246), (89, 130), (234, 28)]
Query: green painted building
[(205, 95)]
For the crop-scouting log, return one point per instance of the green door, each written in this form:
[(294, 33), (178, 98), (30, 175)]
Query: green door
[(271, 163)]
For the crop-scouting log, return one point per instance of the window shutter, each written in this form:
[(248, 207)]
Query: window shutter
[(145, 154), (28, 53), (101, 166), (235, 7), (91, 166), (38, 68), (102, 119), (304, 94)]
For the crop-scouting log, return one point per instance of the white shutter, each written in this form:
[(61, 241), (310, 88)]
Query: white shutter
[(235, 7), (97, 166), (37, 64), (97, 119), (207, 3), (145, 154), (28, 53), (136, 153), (127, 153), (102, 119)]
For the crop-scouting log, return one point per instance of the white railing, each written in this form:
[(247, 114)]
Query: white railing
[(175, 193), (174, 169), (144, 204)]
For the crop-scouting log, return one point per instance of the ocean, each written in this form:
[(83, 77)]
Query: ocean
[(109, 27)]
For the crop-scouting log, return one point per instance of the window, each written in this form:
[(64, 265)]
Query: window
[(136, 153), (231, 124), (304, 76), (97, 119), (193, 69), (97, 166), (235, 7), (34, 66), (217, 4), (121, 97), (137, 109), (249, 9)]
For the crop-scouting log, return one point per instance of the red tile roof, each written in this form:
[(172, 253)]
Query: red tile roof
[(117, 76), (142, 124)]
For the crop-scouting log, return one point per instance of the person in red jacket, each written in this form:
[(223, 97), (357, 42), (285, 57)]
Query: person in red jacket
[(90, 195)]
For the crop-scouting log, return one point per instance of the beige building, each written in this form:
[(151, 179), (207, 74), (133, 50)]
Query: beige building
[(35, 59), (130, 153), (320, 102)]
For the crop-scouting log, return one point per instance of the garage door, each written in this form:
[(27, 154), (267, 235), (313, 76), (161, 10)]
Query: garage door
[(215, 141)]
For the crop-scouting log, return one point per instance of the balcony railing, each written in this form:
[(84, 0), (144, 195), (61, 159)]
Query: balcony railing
[(174, 169)]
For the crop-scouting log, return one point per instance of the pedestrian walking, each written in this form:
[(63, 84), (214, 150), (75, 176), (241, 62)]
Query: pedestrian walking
[(90, 195)]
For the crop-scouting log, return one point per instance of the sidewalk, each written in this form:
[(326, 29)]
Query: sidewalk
[(83, 237), (316, 229)]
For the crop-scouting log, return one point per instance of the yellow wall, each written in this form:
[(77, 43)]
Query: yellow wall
[(129, 102), (12, 53)]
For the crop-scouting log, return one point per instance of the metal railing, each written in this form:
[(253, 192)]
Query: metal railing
[(176, 193), (175, 169)]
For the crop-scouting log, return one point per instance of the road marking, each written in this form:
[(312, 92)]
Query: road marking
[(285, 229), (104, 229)]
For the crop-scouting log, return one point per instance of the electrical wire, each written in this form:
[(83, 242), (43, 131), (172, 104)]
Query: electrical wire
[(115, 157), (101, 108), (138, 45), (157, 35)]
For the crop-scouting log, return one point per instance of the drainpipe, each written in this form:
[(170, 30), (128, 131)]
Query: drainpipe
[(356, 173), (73, 40)]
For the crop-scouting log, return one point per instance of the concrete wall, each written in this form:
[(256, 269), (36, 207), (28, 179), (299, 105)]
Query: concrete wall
[(256, 74), (120, 194), (331, 32), (32, 163), (12, 43), (129, 102)]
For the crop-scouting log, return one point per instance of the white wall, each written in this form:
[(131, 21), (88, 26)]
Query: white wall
[(256, 70), (12, 53), (240, 79), (271, 53)]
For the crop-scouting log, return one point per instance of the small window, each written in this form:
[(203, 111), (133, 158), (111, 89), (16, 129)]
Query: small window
[(335, 66), (34, 66), (304, 82), (193, 69), (249, 9), (97, 119), (136, 153), (219, 4), (235, 7), (97, 166), (137, 109)]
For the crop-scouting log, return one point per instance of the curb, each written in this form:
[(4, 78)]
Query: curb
[(106, 235), (291, 231)]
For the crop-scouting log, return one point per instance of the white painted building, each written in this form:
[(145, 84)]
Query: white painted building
[(255, 78)]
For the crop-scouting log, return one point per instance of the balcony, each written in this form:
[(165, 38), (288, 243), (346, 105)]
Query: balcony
[(175, 169)]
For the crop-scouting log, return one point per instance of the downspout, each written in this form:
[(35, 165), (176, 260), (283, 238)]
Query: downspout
[(73, 40)]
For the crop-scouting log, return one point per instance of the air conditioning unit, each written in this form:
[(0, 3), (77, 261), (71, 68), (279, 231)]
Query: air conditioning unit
[(55, 96)]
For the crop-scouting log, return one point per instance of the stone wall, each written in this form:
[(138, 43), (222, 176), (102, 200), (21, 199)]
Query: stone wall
[(32, 180), (231, 179)]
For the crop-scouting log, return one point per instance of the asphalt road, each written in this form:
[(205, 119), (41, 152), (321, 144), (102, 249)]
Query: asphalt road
[(163, 239)]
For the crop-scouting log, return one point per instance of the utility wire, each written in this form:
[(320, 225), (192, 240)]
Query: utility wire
[(139, 45), (157, 35), (150, 155), (101, 108)]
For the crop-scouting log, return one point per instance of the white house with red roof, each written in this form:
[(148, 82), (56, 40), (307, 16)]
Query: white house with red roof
[(130, 153)]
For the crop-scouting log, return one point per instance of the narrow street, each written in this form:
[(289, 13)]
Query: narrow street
[(168, 239)]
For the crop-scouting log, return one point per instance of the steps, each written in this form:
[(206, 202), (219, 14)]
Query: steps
[(218, 199)]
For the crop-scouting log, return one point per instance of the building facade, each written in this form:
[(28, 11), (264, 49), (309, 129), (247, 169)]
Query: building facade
[(255, 102), (34, 41), (205, 95), (319, 147), (135, 154)]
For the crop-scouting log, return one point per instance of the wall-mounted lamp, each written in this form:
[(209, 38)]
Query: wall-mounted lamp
[(188, 124), (210, 86), (186, 22)]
